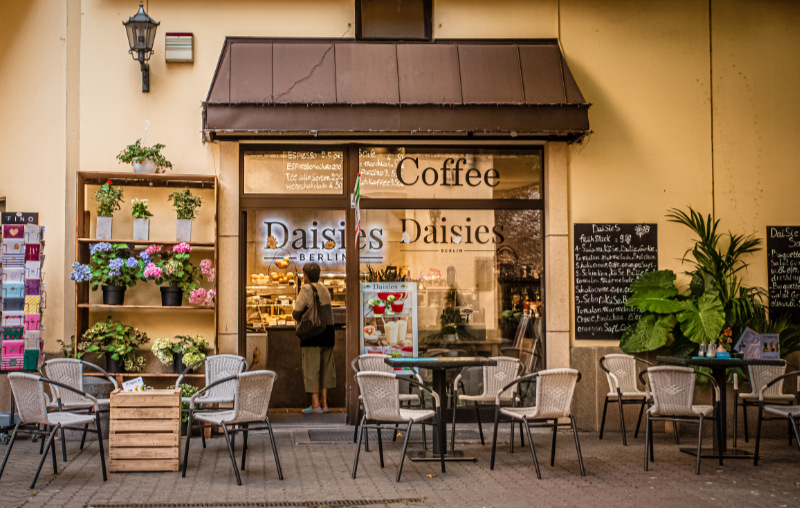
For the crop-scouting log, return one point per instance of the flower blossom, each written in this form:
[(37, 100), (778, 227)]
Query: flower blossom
[(197, 296), (152, 250), (131, 262), (99, 247), (151, 271), (182, 248), (210, 294), (80, 273), (115, 265), (144, 256), (207, 270)]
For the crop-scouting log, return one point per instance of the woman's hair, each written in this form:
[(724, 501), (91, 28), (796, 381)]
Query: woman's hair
[(311, 270)]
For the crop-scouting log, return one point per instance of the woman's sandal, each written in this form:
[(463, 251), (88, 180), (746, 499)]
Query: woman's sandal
[(310, 410)]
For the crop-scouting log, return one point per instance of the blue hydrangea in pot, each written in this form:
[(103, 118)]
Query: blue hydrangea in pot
[(111, 268)]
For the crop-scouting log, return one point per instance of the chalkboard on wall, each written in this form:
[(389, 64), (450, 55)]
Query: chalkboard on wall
[(783, 266), (608, 257)]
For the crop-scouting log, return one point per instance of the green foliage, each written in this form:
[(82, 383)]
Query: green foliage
[(651, 332), (138, 153), (186, 391), (108, 198), (185, 203), (122, 342), (139, 209), (702, 320), (655, 292), (177, 271)]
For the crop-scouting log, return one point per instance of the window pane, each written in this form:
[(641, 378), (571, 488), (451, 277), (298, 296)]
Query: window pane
[(293, 172), (475, 174), (475, 270)]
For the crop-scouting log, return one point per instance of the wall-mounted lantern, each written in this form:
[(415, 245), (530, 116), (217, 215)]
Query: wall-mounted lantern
[(141, 30)]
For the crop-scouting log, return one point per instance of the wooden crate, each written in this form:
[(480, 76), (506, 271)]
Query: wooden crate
[(144, 431)]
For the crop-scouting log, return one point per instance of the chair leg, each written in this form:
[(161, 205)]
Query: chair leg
[(47, 447), (100, 445), (233, 456), (405, 446), (10, 445), (639, 420), (744, 422), (453, 428), (758, 432), (41, 441), (53, 454), (794, 429), (603, 421), (202, 433), (652, 455), (480, 426), (577, 445), (647, 439), (735, 416), (440, 421), (553, 446), (675, 433), (188, 440), (494, 435), (424, 437), (62, 435), (512, 436), (380, 444), (275, 450), (622, 418), (358, 419), (533, 450), (244, 445), (521, 435), (699, 444), (358, 447), (366, 440), (394, 437), (83, 437)]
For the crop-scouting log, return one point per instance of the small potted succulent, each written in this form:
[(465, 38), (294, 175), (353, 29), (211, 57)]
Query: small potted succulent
[(108, 198), (145, 159), (181, 352), (111, 268), (119, 343), (141, 219), (186, 205)]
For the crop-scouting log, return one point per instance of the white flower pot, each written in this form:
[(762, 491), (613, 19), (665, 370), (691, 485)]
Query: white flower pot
[(183, 230), (451, 337), (147, 166), (141, 229), (103, 228)]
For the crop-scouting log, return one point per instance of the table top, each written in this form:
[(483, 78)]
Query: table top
[(447, 362), (716, 362)]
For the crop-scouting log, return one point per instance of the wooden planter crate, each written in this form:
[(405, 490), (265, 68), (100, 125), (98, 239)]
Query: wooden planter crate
[(145, 430)]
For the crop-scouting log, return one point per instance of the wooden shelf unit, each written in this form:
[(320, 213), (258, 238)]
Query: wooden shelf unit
[(83, 241)]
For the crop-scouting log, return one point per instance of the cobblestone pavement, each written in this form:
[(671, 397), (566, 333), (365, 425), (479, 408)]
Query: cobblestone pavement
[(319, 475)]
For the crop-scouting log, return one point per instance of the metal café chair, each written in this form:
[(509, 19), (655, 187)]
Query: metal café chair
[(252, 391), (70, 372), (791, 413), (217, 367), (621, 373), (381, 395), (554, 391), (28, 392), (494, 378), (760, 376), (672, 389)]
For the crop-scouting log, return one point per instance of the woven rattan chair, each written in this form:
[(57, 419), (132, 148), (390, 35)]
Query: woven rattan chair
[(251, 391), (672, 389), (28, 392), (554, 391), (494, 378), (381, 396), (790, 413), (760, 376), (376, 363), (217, 367), (621, 373), (70, 371)]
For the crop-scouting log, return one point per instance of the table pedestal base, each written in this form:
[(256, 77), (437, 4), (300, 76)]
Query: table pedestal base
[(429, 456), (709, 453)]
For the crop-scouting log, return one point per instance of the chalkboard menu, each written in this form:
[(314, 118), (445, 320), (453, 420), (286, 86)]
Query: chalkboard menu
[(783, 258), (608, 257), (293, 172)]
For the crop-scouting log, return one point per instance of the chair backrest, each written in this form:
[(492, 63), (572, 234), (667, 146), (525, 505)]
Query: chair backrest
[(68, 371), (372, 363), (624, 369), (760, 375), (673, 390), (29, 397), (252, 391), (219, 367), (497, 376), (381, 395), (554, 390)]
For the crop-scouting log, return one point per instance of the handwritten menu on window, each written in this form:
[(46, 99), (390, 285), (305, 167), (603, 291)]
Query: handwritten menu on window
[(783, 261), (608, 257), (294, 172), (378, 168)]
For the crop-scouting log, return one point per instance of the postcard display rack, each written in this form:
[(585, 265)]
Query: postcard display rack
[(22, 302), (389, 318)]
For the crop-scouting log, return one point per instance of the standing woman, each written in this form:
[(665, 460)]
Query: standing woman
[(319, 373)]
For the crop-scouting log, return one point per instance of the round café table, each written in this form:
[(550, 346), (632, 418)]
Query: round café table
[(439, 367), (719, 371)]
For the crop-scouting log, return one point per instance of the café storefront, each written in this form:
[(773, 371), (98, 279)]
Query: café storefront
[(452, 245)]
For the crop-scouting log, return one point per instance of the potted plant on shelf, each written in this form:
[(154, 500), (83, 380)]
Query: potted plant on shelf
[(450, 332), (172, 269), (119, 343), (184, 351), (186, 205), (141, 219), (108, 198), (110, 267), (145, 159)]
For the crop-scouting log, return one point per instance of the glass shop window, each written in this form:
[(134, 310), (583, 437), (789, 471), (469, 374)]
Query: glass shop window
[(293, 172)]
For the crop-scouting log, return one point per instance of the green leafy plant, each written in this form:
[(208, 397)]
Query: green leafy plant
[(108, 198), (139, 209), (67, 348), (122, 342), (193, 349), (389, 274), (185, 203), (138, 153), (449, 329), (186, 392)]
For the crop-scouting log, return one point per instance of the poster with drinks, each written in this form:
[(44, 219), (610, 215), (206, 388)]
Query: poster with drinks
[(389, 318)]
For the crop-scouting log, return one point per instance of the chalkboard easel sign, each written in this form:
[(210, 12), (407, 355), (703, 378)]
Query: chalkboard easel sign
[(608, 258), (783, 267)]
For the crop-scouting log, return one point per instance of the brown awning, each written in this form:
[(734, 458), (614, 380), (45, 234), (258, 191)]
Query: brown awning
[(319, 87)]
